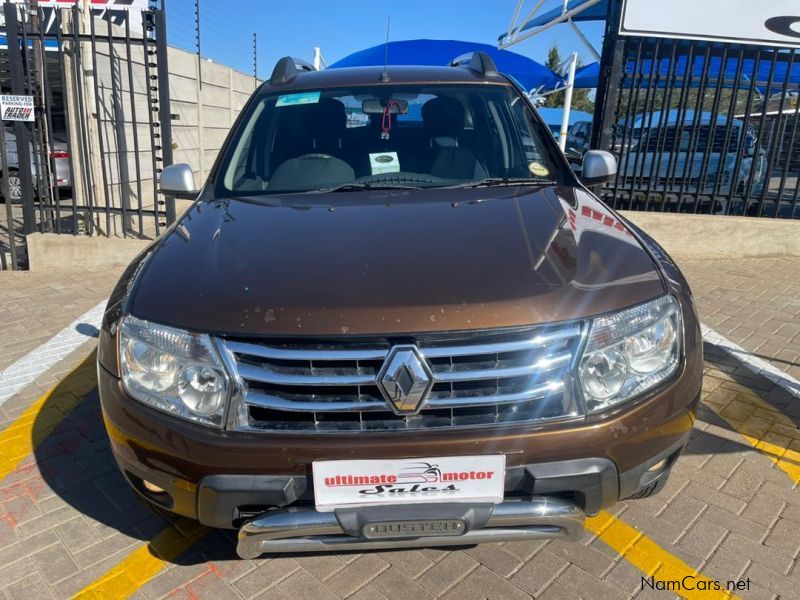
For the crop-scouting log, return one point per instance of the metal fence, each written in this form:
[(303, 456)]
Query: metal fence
[(703, 127), (89, 162)]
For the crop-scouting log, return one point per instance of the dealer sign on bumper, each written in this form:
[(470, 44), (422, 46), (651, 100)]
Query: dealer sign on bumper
[(342, 483)]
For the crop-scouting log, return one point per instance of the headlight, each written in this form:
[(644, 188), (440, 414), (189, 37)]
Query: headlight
[(173, 370), (630, 352)]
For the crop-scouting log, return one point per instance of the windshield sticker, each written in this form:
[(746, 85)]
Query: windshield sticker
[(299, 98), (538, 169), (384, 162)]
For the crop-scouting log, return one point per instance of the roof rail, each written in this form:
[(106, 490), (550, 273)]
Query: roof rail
[(287, 68), (478, 62)]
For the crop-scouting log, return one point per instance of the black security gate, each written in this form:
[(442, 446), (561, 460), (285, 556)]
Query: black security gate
[(702, 127), (88, 164)]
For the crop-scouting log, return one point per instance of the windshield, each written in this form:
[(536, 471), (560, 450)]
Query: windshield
[(408, 136)]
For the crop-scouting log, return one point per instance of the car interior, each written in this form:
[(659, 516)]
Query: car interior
[(404, 138)]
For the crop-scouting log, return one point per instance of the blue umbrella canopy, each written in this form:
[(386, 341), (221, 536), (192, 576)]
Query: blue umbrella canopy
[(587, 76), (751, 71), (597, 12), (661, 71), (529, 73)]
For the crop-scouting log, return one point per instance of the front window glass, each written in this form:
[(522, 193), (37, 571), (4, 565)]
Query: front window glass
[(386, 136)]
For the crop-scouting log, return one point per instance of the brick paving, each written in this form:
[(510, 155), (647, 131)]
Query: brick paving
[(729, 509), (754, 303), (34, 306)]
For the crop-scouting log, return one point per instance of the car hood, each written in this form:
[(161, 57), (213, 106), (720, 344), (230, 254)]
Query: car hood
[(393, 262)]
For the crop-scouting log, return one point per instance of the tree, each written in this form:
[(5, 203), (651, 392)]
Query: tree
[(580, 97), (553, 63)]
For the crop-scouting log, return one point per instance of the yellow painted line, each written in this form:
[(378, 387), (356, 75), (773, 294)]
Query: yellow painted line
[(652, 560), (144, 563), (20, 439), (753, 418), (785, 459), (31, 428), (739, 414)]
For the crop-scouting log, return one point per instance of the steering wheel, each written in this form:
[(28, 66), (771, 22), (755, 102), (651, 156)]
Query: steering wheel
[(313, 156)]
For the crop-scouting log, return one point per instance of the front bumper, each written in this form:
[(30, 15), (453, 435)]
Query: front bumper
[(376, 527), (223, 479)]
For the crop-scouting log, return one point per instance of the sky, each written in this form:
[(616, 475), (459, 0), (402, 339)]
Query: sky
[(340, 27)]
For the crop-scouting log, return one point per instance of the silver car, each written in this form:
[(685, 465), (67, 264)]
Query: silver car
[(59, 152), (682, 156)]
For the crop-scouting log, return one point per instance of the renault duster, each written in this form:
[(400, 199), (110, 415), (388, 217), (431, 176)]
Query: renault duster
[(394, 317)]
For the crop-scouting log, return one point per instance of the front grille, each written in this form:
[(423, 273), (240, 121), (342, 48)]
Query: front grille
[(479, 379)]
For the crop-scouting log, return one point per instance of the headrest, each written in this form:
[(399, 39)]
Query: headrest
[(326, 118), (443, 116)]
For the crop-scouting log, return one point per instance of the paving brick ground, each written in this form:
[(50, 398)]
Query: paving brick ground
[(36, 305), (754, 303), (730, 510)]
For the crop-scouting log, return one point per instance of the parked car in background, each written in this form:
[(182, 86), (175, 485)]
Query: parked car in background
[(695, 154), (580, 134), (374, 331), (576, 146), (59, 153)]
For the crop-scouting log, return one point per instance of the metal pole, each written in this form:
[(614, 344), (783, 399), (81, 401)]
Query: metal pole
[(562, 138), (20, 129), (612, 66), (317, 58), (164, 108), (517, 36), (255, 56), (12, 245), (155, 135), (197, 37), (45, 178)]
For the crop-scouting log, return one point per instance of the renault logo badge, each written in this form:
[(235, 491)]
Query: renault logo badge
[(405, 379)]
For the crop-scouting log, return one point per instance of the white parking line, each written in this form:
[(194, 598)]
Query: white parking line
[(755, 364), (22, 373)]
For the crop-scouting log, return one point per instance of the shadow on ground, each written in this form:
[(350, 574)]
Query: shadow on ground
[(73, 455), (762, 408)]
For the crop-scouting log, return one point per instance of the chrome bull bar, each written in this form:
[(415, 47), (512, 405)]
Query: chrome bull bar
[(307, 530)]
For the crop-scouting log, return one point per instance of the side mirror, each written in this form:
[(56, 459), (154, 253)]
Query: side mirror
[(178, 181), (599, 166)]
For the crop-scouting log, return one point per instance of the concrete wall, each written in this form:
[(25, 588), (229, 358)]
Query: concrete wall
[(689, 237), (205, 99)]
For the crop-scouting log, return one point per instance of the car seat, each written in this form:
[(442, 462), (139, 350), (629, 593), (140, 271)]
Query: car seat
[(315, 140), (443, 119), (316, 128)]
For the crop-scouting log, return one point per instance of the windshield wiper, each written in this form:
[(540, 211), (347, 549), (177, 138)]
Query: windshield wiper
[(504, 181), (356, 187)]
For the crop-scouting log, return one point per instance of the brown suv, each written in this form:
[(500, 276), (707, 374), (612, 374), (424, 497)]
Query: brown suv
[(394, 317)]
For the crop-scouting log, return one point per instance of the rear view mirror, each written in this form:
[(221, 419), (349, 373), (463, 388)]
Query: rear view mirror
[(373, 106), (599, 166), (177, 180)]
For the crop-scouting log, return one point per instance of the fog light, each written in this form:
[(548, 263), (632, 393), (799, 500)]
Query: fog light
[(152, 487), (658, 466)]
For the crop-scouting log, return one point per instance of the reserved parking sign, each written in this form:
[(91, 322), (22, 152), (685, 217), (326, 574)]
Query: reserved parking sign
[(16, 108)]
